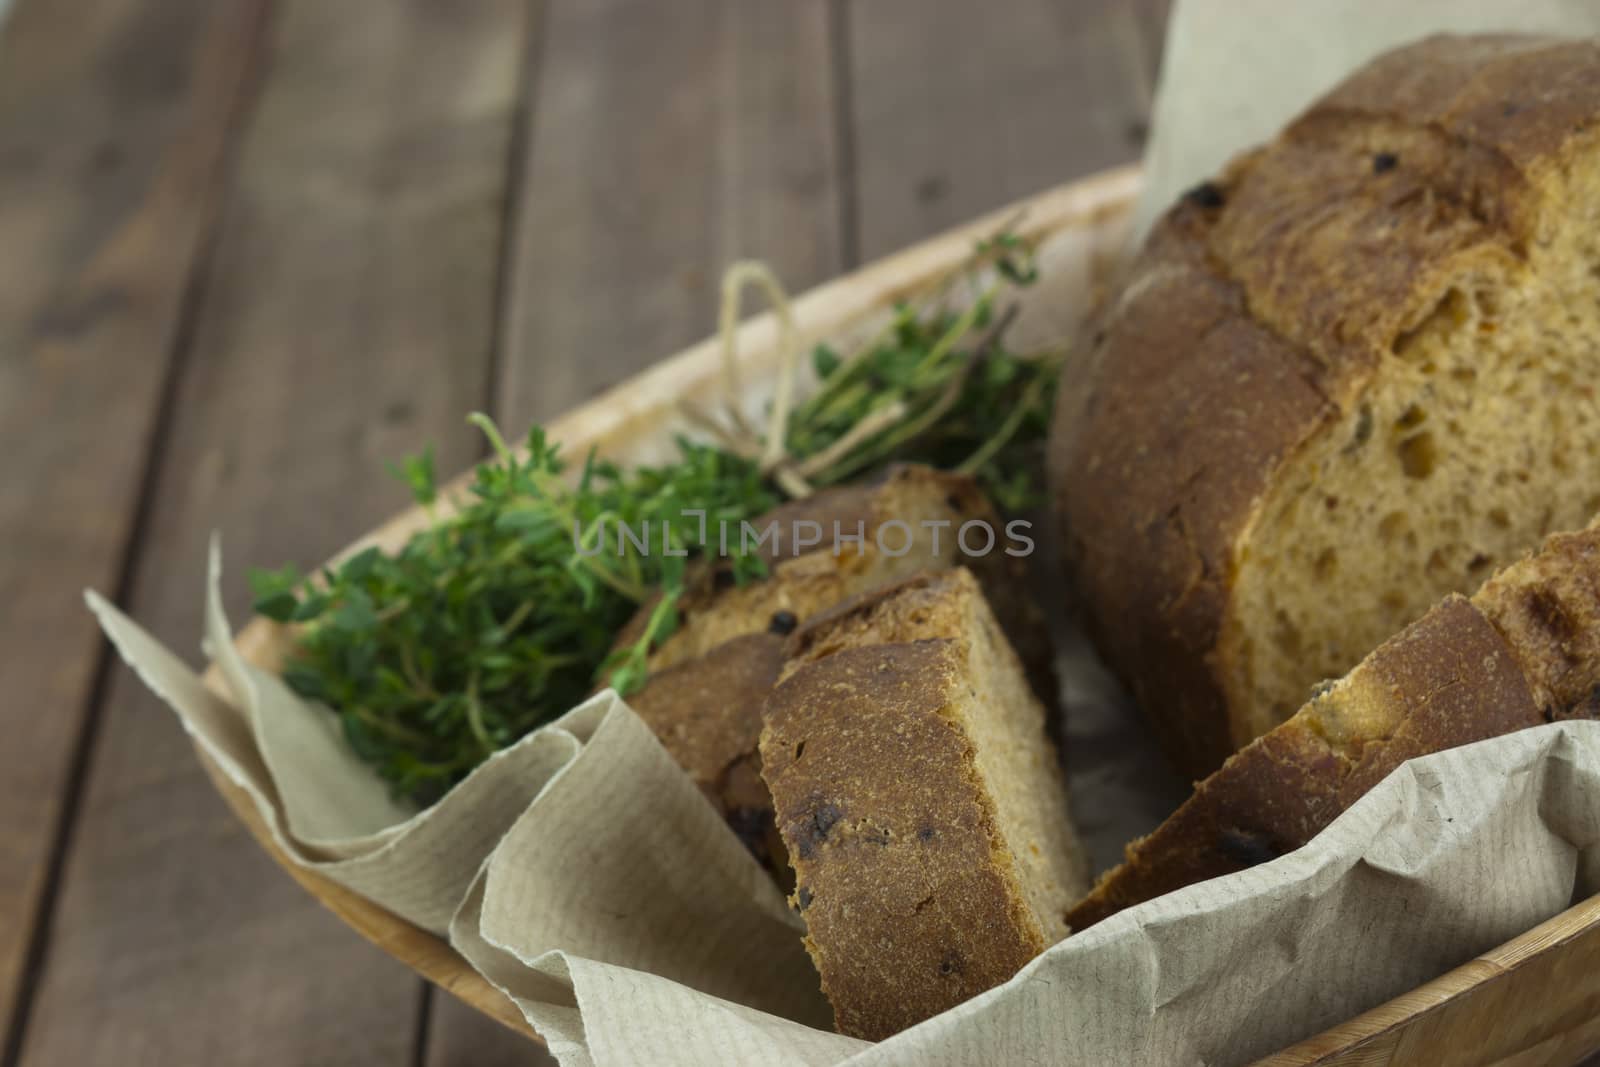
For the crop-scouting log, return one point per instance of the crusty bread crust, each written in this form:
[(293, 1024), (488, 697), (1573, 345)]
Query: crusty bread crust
[(978, 929), (712, 609), (1548, 608), (1260, 309), (913, 896), (1524, 651)]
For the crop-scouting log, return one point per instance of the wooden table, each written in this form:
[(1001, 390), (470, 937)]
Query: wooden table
[(252, 250)]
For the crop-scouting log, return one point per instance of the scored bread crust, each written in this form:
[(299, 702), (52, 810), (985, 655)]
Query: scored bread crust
[(1259, 311), (1524, 650)]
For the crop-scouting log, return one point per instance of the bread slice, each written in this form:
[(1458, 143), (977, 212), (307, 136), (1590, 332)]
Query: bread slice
[(931, 504), (921, 802), (1524, 650), (1353, 374), (706, 711), (703, 697)]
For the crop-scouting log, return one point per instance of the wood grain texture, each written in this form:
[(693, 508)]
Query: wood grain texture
[(114, 117), (956, 112), (347, 319), (667, 141), (662, 141), (1532, 1001)]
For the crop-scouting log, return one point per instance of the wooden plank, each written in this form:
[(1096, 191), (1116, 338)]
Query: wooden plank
[(957, 110), (664, 141), (114, 116), (667, 141), (347, 320)]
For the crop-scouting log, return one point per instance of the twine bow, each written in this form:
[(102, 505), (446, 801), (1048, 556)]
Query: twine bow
[(769, 450)]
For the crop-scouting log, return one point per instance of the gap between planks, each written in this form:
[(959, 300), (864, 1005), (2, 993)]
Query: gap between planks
[(363, 150), (216, 155)]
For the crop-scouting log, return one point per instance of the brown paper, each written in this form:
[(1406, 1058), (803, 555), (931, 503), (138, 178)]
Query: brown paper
[(584, 875)]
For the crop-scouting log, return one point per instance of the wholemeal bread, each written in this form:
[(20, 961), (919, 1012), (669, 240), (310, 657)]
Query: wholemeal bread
[(706, 712), (1351, 375), (707, 681), (1524, 650), (921, 802)]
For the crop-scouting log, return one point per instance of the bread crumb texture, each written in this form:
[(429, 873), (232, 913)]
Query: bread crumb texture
[(1354, 374), (1524, 650)]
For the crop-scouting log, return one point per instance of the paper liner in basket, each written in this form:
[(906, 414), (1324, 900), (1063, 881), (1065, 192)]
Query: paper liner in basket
[(326, 810), (600, 891), (1452, 855), (618, 857)]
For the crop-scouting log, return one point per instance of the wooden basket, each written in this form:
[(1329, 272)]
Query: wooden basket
[(1532, 1001)]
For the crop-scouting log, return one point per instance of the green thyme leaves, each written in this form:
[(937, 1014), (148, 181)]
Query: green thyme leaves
[(965, 401), (492, 621)]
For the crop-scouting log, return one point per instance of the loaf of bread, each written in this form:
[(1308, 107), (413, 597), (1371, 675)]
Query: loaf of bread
[(1524, 650), (707, 681), (921, 802), (1351, 375)]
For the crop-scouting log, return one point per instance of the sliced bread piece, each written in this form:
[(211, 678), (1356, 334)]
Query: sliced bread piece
[(1351, 375), (706, 712), (915, 511), (1524, 650), (707, 682), (921, 802)]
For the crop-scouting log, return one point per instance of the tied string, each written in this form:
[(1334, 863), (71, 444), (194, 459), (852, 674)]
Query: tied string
[(768, 450), (890, 423)]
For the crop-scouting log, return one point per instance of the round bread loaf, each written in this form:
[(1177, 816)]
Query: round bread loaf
[(1352, 375)]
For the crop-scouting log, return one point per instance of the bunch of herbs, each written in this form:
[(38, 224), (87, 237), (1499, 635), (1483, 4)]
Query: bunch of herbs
[(499, 617)]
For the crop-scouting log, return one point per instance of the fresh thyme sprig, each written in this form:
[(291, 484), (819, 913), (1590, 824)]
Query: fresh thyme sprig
[(494, 620), (963, 400)]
